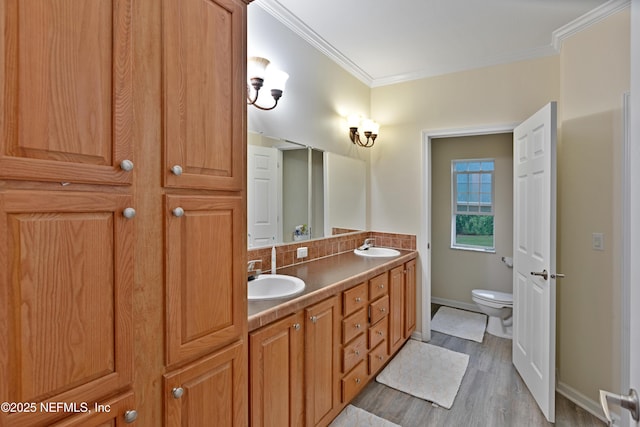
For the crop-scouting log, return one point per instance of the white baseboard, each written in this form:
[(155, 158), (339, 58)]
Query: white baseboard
[(585, 403), (455, 304)]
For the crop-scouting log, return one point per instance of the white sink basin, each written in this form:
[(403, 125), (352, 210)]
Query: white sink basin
[(274, 286), (377, 252)]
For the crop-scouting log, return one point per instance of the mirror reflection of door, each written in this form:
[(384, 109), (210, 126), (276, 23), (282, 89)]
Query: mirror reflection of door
[(262, 196)]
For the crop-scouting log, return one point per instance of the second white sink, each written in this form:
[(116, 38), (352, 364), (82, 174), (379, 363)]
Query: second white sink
[(274, 286), (377, 252)]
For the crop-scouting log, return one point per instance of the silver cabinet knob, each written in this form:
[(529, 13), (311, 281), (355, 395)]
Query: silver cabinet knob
[(358, 380), (177, 392), (313, 319), (126, 165), (357, 352), (379, 333), (130, 416), (176, 170), (557, 275), (382, 309), (129, 213), (296, 326), (357, 325), (358, 299), (381, 286), (178, 212)]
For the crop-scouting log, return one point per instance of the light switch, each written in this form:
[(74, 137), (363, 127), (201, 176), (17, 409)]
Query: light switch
[(597, 241)]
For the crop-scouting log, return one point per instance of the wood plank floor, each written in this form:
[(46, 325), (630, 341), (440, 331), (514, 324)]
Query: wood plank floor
[(491, 394)]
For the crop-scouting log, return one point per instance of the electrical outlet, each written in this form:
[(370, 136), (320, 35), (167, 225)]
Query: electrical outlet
[(302, 252)]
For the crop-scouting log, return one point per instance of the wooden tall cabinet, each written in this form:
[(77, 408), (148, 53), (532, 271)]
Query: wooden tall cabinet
[(122, 211)]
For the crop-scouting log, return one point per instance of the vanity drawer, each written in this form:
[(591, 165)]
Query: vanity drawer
[(379, 286), (354, 325), (354, 381), (378, 332), (354, 298), (379, 309), (377, 357), (354, 353)]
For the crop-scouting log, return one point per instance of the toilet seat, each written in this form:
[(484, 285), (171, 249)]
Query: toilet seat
[(493, 297)]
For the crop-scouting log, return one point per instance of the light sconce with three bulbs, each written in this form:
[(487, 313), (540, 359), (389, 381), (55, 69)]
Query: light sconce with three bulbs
[(370, 130), (258, 73)]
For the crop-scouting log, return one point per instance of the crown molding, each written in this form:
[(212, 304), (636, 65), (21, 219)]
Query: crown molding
[(585, 21), (282, 14)]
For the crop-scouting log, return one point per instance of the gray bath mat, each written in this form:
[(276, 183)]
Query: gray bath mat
[(426, 371), (459, 323), (352, 416)]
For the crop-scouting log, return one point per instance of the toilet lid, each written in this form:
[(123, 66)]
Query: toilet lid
[(494, 296)]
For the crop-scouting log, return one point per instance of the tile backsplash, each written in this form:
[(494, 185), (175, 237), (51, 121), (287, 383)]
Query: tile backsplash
[(319, 248)]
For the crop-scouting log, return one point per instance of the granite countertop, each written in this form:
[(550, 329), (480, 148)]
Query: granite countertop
[(323, 277)]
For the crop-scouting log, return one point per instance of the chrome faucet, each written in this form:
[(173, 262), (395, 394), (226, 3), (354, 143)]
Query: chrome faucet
[(368, 243), (252, 271)]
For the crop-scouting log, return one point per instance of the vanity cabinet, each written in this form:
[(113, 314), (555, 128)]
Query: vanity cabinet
[(276, 373), (402, 301), (294, 368), (322, 365)]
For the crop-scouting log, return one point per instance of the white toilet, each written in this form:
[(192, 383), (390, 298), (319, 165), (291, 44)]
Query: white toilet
[(499, 307)]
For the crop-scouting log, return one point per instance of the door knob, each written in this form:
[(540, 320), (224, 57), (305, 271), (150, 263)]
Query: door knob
[(542, 274), (176, 170), (629, 402)]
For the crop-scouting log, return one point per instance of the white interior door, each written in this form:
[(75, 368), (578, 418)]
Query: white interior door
[(534, 244), (262, 196)]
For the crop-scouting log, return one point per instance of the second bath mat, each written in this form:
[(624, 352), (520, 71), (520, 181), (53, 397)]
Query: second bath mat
[(459, 323)]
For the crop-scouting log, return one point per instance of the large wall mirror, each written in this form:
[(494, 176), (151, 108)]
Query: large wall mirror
[(296, 192)]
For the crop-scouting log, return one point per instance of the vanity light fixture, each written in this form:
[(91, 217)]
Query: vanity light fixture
[(259, 71), (369, 128)]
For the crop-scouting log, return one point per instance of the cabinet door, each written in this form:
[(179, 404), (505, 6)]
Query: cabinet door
[(276, 366), (66, 94), (206, 283), (65, 299), (322, 370), (396, 309), (212, 391), (116, 412), (204, 99), (410, 298)]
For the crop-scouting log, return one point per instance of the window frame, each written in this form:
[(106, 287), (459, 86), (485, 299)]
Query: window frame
[(454, 202)]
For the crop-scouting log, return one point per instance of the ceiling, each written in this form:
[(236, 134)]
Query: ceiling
[(389, 41)]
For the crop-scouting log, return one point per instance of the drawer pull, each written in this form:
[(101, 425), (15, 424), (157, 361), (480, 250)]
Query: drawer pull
[(357, 352), (358, 299), (379, 333), (357, 325), (380, 357), (382, 309), (381, 286), (357, 380)]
